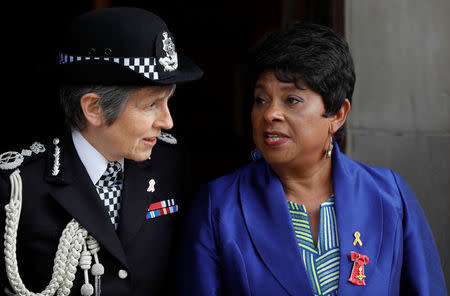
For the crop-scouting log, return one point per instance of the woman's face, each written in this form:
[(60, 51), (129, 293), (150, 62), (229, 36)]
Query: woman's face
[(288, 123), (134, 133)]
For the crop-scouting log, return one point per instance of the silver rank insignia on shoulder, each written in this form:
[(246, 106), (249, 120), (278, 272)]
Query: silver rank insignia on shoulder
[(37, 147), (168, 138), (12, 159)]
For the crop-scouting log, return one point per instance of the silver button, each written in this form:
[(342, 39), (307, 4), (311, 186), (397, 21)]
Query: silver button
[(123, 274)]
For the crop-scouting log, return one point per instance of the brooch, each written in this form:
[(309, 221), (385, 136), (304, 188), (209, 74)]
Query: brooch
[(358, 277)]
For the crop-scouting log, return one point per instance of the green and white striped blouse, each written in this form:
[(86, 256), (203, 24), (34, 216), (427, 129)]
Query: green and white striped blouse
[(321, 262)]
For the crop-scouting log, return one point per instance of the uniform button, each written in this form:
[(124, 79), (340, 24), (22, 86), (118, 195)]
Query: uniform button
[(123, 274)]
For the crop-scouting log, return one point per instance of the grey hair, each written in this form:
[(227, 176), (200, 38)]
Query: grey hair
[(113, 100)]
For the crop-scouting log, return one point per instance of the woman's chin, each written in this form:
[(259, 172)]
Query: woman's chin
[(276, 158), (142, 156)]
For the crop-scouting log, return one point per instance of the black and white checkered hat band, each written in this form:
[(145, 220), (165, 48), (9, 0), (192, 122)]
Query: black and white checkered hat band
[(144, 66)]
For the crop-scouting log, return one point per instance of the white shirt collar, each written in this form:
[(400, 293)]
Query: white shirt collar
[(94, 162)]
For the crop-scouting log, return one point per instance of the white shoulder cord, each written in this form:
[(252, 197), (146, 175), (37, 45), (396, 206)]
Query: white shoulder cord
[(72, 250)]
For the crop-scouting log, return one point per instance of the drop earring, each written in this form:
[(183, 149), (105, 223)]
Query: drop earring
[(256, 155), (330, 148)]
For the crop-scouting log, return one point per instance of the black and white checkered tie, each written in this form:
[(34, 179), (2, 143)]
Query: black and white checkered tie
[(108, 187)]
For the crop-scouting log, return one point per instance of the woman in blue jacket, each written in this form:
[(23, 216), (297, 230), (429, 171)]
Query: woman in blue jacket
[(305, 219)]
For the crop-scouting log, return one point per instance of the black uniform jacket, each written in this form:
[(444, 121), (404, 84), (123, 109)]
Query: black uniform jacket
[(140, 247)]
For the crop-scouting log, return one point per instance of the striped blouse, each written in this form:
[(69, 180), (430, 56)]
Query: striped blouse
[(321, 262)]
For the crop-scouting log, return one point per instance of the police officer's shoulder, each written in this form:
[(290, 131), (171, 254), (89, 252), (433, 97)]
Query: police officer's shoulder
[(20, 157)]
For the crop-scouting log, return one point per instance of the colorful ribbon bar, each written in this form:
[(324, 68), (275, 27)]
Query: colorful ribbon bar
[(161, 204), (161, 212)]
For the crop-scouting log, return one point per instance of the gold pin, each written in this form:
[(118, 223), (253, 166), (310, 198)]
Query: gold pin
[(361, 275), (357, 240)]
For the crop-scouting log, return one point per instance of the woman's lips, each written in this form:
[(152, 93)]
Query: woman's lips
[(150, 141), (275, 138)]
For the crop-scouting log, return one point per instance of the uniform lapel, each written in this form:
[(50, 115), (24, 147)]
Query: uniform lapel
[(268, 221), (74, 191), (358, 209), (135, 198)]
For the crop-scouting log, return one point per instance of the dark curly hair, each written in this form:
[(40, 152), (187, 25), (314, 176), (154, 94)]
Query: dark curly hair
[(311, 54)]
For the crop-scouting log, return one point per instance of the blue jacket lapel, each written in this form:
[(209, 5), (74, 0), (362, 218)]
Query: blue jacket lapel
[(358, 208), (268, 222)]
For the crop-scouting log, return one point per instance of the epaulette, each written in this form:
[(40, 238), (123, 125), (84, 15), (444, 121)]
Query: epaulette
[(11, 160), (168, 138)]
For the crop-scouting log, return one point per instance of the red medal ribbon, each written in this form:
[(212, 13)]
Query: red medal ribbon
[(357, 277)]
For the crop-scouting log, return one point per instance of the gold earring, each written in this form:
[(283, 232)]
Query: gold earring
[(330, 148)]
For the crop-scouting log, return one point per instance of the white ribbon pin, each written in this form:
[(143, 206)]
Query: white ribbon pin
[(151, 185)]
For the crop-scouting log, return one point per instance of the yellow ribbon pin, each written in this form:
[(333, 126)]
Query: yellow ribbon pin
[(357, 240)]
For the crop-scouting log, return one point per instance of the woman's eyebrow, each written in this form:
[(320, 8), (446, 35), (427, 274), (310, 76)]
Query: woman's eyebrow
[(289, 87), (161, 95)]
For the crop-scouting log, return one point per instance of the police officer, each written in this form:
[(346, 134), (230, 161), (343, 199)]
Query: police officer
[(95, 211)]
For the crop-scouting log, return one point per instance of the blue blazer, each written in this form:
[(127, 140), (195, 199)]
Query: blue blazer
[(239, 239)]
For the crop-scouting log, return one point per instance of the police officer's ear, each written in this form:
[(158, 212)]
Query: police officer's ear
[(91, 109)]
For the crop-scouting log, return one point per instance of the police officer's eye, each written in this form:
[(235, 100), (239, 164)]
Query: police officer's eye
[(150, 106)]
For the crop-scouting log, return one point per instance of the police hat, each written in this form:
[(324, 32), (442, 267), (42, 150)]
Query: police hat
[(122, 46)]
